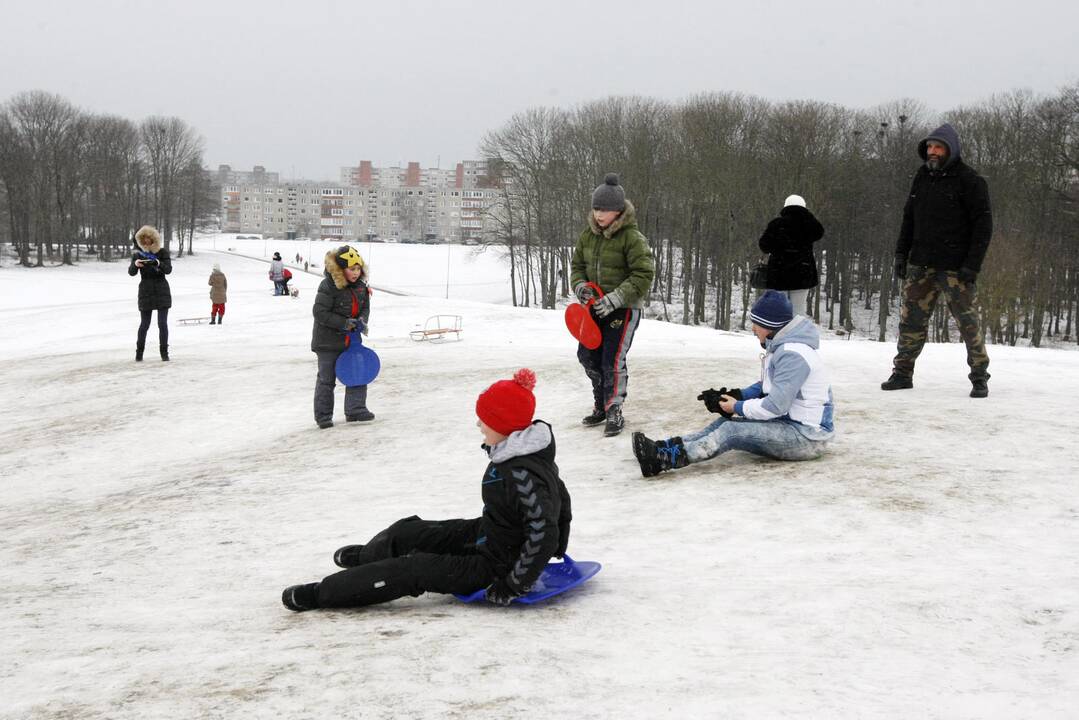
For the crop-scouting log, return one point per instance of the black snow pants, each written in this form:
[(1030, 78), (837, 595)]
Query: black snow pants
[(411, 557)]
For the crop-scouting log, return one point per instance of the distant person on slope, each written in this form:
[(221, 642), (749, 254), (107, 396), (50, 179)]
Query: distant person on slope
[(785, 416), (342, 304), (947, 225), (788, 240), (151, 262), (218, 285), (277, 273), (614, 254), (525, 521)]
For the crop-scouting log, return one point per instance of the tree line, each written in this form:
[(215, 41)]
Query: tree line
[(706, 174), (72, 181)]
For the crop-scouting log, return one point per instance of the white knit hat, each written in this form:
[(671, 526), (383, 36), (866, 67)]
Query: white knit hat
[(794, 200)]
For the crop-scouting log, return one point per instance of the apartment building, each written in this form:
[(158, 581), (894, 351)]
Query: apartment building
[(404, 204)]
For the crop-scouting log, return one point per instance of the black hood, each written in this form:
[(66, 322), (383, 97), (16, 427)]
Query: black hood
[(947, 135)]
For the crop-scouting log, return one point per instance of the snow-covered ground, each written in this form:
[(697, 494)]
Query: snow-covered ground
[(152, 513)]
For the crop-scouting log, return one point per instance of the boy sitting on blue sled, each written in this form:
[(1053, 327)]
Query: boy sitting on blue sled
[(525, 521)]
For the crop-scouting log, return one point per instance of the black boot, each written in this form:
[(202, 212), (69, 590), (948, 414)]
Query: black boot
[(645, 452), (615, 421), (655, 457), (348, 556), (213, 319), (164, 353), (301, 597), (979, 388), (220, 319), (362, 416), (898, 382), (138, 352), (597, 417), (324, 424)]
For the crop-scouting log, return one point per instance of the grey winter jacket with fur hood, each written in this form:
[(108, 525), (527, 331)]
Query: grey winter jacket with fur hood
[(335, 302)]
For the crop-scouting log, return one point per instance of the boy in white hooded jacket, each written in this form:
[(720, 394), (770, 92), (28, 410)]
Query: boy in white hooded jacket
[(785, 416)]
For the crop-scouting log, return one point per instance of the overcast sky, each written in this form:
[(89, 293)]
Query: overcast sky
[(306, 86)]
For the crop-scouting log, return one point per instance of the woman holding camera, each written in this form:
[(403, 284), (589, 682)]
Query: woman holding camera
[(152, 263)]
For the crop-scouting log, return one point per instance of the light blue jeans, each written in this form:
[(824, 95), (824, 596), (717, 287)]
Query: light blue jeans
[(781, 439)]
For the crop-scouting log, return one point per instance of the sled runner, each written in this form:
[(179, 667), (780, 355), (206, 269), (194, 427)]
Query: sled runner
[(580, 322), (357, 365), (194, 320), (555, 579)]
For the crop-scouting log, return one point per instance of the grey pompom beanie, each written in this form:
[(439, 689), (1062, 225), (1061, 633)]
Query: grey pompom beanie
[(609, 195)]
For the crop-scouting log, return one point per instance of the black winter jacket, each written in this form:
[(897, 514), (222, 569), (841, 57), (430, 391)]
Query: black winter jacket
[(526, 507), (947, 220), (335, 302), (154, 293), (788, 240)]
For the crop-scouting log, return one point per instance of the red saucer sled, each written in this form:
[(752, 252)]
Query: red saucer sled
[(555, 579), (580, 322)]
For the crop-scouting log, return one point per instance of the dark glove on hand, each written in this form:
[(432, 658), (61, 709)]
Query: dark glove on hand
[(584, 293), (351, 323), (901, 268), (500, 593), (712, 398), (967, 275)]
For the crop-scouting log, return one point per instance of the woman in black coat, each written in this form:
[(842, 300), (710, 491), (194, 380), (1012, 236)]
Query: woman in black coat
[(152, 263), (788, 240)]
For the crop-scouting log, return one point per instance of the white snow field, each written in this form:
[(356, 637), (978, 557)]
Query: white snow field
[(152, 513)]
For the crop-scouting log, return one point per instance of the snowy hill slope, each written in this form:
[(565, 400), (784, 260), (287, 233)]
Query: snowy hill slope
[(152, 513)]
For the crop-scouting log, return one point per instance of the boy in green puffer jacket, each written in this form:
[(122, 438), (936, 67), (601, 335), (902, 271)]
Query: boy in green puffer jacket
[(614, 254)]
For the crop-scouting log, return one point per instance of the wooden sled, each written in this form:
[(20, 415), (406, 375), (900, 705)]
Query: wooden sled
[(438, 328)]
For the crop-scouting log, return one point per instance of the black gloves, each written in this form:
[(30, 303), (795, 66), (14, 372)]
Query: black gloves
[(900, 267), (352, 323), (967, 275), (500, 593), (712, 398), (584, 293)]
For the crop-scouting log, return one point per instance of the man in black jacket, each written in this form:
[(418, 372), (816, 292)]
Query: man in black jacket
[(947, 224)]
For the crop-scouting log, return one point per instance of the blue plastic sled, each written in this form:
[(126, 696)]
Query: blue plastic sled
[(555, 579), (358, 365)]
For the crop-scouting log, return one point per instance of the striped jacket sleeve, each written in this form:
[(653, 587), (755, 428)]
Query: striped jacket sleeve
[(539, 519)]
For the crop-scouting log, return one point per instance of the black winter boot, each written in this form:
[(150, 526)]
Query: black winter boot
[(657, 456), (213, 319), (348, 556), (898, 382), (138, 352), (979, 388), (597, 417), (301, 597), (324, 424), (220, 319), (615, 421), (164, 353), (362, 416)]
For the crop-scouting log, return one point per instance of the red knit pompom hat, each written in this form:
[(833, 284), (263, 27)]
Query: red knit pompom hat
[(508, 405)]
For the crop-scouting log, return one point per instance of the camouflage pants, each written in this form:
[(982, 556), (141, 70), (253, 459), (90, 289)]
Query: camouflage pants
[(921, 291)]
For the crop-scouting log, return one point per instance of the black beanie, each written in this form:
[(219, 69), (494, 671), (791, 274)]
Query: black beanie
[(277, 256), (609, 195)]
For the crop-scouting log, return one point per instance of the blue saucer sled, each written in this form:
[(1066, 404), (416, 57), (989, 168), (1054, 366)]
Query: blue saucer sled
[(357, 365), (555, 579)]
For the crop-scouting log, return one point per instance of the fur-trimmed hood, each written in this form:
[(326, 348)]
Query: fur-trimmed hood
[(148, 232), (337, 273), (628, 218)]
